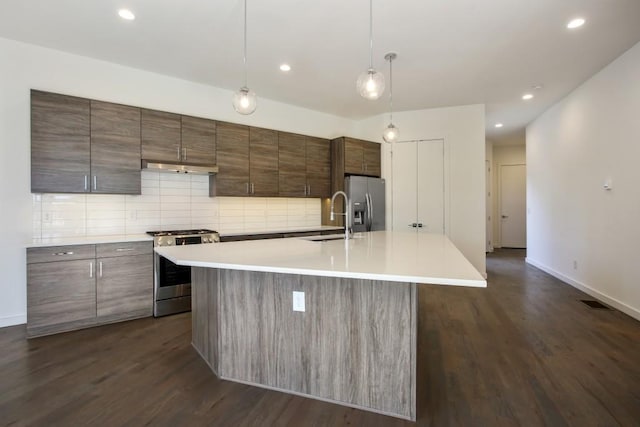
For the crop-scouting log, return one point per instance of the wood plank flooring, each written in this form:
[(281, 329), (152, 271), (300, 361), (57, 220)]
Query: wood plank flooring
[(523, 352)]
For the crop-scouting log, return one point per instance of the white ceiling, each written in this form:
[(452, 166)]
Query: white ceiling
[(450, 52)]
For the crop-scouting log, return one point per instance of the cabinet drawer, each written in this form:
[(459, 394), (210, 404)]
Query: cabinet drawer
[(123, 249), (60, 253)]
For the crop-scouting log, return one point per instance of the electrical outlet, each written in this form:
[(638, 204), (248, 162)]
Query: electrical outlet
[(298, 301)]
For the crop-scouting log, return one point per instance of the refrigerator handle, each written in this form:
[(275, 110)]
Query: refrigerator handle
[(369, 211)]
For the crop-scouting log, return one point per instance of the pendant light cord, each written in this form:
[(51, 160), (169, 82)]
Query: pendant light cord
[(390, 90), (370, 34), (245, 44)]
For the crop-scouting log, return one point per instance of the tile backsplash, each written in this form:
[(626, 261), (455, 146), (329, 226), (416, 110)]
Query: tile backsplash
[(167, 202)]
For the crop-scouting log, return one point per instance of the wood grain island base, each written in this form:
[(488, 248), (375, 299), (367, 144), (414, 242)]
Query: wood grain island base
[(355, 343)]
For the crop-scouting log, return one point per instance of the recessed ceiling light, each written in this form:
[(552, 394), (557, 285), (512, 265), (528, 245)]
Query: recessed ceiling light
[(575, 23), (499, 125), (527, 96), (285, 67), (126, 14)]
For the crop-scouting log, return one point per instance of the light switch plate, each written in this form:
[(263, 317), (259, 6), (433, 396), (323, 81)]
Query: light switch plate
[(298, 301)]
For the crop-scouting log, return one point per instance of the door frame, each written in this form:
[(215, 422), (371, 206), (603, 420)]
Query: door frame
[(498, 232)]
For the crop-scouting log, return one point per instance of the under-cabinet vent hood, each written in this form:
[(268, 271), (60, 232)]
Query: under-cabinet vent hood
[(159, 166)]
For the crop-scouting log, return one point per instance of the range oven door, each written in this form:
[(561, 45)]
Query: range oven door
[(171, 281)]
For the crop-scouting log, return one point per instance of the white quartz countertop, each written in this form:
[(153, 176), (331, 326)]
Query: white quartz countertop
[(378, 255), (88, 240), (283, 230)]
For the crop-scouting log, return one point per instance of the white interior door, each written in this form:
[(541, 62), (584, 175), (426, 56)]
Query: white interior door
[(513, 206), (404, 186), (430, 193)]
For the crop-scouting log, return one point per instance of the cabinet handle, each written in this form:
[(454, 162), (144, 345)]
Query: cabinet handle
[(95, 182), (248, 192), (63, 253), (414, 225), (86, 182), (100, 268), (91, 269), (308, 189), (124, 249), (178, 154), (184, 153)]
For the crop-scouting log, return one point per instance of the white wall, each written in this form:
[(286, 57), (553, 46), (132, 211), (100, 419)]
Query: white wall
[(503, 155), (26, 66), (463, 131), (590, 136)]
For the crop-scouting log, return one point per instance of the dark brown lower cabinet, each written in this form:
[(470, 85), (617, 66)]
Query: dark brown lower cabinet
[(77, 286), (60, 296), (124, 287)]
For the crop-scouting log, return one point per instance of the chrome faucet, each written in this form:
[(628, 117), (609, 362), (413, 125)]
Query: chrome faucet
[(347, 214)]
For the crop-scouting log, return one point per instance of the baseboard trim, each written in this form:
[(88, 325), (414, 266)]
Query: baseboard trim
[(626, 309), (13, 320)]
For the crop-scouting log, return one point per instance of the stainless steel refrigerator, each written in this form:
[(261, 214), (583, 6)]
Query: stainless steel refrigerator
[(366, 196)]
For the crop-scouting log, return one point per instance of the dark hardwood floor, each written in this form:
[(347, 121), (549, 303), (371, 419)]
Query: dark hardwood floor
[(523, 352)]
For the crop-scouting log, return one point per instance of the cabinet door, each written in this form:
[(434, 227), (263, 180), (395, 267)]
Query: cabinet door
[(60, 143), (124, 287), (263, 161), (318, 167), (115, 148), (198, 140), (353, 156), (60, 296), (232, 147), (160, 136), (292, 175), (371, 159)]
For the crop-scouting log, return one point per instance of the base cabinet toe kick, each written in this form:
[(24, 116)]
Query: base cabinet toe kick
[(353, 344)]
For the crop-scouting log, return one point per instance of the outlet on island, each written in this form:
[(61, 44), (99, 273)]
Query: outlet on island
[(298, 301)]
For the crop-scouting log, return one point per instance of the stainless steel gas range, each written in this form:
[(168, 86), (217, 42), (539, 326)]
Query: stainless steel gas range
[(171, 282)]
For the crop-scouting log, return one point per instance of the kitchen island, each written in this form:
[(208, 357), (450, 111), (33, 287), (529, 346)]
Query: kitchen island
[(333, 320)]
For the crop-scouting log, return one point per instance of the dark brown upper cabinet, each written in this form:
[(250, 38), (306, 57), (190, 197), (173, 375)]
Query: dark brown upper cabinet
[(170, 137), (161, 136), (198, 140), (115, 148), (232, 152), (318, 159), (83, 146), (247, 161), (292, 174), (361, 157), (304, 166), (60, 143), (263, 162)]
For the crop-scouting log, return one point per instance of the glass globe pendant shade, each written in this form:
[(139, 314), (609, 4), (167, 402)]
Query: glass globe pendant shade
[(391, 133), (244, 101), (370, 84)]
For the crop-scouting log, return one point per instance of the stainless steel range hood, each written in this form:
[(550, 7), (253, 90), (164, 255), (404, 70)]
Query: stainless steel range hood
[(159, 166)]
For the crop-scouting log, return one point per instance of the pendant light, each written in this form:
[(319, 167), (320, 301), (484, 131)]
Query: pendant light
[(370, 83), (244, 100), (391, 132)]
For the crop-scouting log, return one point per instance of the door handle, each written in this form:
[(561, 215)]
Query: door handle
[(505, 216)]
